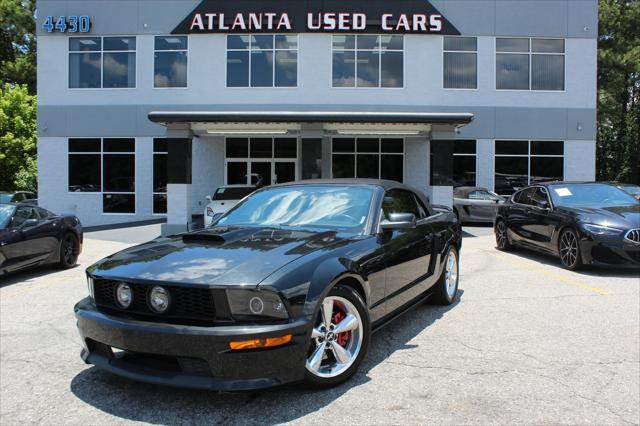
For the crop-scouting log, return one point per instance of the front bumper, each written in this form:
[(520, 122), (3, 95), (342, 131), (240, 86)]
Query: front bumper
[(189, 356), (610, 253)]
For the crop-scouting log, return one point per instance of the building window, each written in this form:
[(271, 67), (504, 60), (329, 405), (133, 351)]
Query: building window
[(102, 62), (464, 163), (522, 163), (160, 175), (106, 166), (262, 60), (460, 63), (170, 61), (368, 61), (261, 161), (368, 158), (530, 64)]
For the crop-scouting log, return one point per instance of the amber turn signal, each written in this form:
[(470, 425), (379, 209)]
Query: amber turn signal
[(260, 343)]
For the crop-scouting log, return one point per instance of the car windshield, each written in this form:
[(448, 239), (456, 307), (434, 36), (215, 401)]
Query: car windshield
[(630, 189), (344, 208), (589, 195), (6, 212), (6, 198)]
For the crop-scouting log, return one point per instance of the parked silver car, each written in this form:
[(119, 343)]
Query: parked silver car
[(476, 204)]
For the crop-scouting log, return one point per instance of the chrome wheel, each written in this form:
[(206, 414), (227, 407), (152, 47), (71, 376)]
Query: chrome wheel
[(569, 249), (451, 274), (336, 340), (501, 235)]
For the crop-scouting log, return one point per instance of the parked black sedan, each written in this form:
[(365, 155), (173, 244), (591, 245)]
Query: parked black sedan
[(286, 286), (581, 223), (32, 236)]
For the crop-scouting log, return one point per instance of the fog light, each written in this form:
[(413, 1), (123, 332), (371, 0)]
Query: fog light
[(159, 299), (260, 343), (256, 305), (124, 295)]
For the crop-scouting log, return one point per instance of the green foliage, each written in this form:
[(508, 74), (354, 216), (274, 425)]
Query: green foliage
[(18, 140), (618, 150), (18, 43)]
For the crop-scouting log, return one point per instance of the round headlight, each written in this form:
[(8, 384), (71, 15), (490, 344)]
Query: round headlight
[(124, 295), (256, 305), (159, 299)]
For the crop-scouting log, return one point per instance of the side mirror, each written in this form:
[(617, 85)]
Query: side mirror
[(209, 198), (29, 223), (399, 221), (543, 204)]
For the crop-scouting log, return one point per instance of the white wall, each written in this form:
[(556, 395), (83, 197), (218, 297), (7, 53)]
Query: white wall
[(207, 170), (579, 164)]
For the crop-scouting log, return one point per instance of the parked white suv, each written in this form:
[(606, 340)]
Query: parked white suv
[(224, 199)]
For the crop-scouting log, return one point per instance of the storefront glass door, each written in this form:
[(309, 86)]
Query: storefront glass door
[(261, 161)]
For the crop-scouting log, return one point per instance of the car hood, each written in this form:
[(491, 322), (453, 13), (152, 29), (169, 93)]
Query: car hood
[(217, 256), (623, 217)]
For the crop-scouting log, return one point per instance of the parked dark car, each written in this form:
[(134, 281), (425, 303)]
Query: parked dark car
[(286, 286), (476, 204), (581, 223), (18, 197), (32, 236)]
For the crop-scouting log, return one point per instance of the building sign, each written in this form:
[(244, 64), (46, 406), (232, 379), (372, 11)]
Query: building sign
[(68, 24), (307, 16)]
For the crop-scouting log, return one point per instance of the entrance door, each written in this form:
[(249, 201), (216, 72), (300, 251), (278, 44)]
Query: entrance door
[(284, 171), (261, 173)]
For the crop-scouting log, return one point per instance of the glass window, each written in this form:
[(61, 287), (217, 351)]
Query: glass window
[(160, 175), (460, 63), (104, 166), (261, 161), (262, 60), (464, 163), (399, 201), (368, 158), (522, 163), (368, 61), (102, 62), (530, 64), (170, 61)]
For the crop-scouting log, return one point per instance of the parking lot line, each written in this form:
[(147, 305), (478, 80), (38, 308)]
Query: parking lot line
[(554, 275)]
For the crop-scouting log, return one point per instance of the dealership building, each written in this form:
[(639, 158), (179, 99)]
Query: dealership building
[(145, 107)]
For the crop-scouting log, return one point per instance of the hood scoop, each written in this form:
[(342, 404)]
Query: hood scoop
[(203, 238)]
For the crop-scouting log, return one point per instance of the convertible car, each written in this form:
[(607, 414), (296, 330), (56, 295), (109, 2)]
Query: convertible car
[(32, 236), (475, 204), (581, 223), (286, 286)]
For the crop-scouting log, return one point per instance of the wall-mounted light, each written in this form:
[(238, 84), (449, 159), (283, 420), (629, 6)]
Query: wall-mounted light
[(579, 127)]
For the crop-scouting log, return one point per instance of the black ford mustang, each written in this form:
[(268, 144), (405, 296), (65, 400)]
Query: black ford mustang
[(32, 236), (581, 223), (286, 286)]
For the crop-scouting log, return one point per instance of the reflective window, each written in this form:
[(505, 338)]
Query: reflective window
[(160, 175), (102, 62), (522, 163), (170, 61), (368, 61), (368, 158), (460, 63), (105, 166), (464, 163), (261, 161), (400, 201), (262, 60), (530, 64)]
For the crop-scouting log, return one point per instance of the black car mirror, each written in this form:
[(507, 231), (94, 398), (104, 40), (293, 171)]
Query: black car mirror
[(543, 204), (29, 223), (399, 221)]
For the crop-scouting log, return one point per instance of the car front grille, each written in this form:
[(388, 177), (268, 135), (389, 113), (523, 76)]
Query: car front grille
[(633, 235), (188, 304)]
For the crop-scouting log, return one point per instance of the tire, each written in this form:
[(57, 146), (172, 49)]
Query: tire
[(502, 236), (569, 250), (322, 367), (446, 288), (457, 213), (69, 251)]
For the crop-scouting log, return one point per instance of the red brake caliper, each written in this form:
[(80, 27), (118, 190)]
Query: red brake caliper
[(343, 338)]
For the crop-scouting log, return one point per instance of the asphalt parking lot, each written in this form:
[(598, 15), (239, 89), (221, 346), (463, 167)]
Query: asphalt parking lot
[(527, 342)]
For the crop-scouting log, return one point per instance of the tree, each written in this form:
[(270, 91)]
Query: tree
[(618, 148), (18, 43), (18, 139)]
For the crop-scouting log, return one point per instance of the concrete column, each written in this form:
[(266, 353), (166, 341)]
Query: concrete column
[(485, 163), (579, 160), (416, 162), (326, 157), (178, 209), (207, 170)]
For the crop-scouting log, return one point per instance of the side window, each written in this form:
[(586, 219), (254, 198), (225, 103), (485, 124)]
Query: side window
[(21, 215), (538, 196), (18, 198), (399, 201), (524, 196), (424, 212), (42, 213)]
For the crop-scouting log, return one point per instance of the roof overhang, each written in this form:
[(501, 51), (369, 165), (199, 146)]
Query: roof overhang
[(240, 122)]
